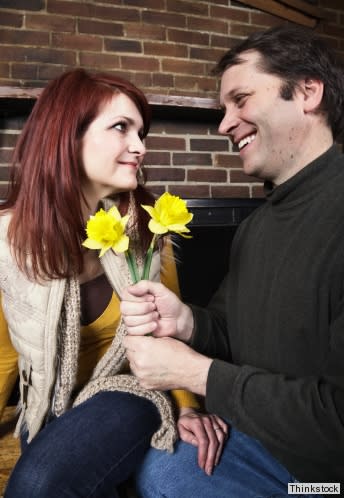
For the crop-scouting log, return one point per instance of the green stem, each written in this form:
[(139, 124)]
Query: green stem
[(148, 260), (132, 267)]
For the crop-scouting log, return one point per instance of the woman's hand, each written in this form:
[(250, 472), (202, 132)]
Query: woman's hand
[(208, 432)]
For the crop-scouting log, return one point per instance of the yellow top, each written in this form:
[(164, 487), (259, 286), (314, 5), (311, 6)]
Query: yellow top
[(95, 339)]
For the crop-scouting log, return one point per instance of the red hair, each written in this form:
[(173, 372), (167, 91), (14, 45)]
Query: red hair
[(44, 193)]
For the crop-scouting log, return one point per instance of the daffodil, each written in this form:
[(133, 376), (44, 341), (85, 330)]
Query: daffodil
[(105, 230), (169, 214)]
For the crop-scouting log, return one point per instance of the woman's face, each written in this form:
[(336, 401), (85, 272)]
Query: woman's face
[(112, 149)]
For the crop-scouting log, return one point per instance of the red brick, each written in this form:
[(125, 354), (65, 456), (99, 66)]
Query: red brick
[(94, 59), (102, 28), (163, 79), (48, 72), (258, 191), (24, 37), (163, 19), (155, 189), (122, 45), (165, 143), (163, 49), (242, 29), (77, 42), (25, 71), (209, 144), (158, 158), (9, 19), (190, 191), (207, 175), (187, 7), (199, 83), (153, 4), (165, 174), (141, 80), (227, 161), (145, 31), (77, 9), (48, 22), (184, 67), (38, 55), (207, 54), (208, 25), (238, 176), (191, 159), (23, 4), (139, 63), (229, 13), (190, 37)]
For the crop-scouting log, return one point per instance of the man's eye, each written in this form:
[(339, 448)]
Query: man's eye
[(240, 99)]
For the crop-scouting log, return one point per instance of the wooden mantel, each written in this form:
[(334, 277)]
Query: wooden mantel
[(19, 100)]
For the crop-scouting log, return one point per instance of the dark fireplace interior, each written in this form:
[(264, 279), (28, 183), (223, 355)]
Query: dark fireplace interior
[(204, 259)]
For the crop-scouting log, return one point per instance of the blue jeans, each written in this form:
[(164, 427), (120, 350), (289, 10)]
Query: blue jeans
[(246, 470), (87, 451)]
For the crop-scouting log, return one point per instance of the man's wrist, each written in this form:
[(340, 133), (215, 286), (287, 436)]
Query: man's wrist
[(185, 324)]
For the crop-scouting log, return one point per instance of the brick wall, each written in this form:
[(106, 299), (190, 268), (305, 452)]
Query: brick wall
[(166, 47)]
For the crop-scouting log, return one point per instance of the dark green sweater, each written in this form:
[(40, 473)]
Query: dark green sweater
[(276, 325)]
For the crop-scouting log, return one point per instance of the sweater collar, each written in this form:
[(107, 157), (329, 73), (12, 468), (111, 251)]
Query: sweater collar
[(307, 181)]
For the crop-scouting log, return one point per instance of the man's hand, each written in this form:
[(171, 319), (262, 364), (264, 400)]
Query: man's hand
[(207, 432), (150, 308), (166, 363)]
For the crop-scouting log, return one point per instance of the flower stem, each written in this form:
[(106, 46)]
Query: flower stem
[(148, 259), (132, 267)]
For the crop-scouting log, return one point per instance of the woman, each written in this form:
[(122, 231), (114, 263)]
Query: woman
[(84, 422)]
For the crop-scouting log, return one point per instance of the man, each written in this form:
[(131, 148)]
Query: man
[(268, 352)]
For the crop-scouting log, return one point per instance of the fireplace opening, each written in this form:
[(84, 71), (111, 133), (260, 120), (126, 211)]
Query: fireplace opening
[(203, 260)]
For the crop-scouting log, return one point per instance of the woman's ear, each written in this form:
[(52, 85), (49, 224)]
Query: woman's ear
[(313, 91)]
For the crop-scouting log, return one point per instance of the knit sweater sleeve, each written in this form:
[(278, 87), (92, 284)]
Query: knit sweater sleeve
[(8, 363)]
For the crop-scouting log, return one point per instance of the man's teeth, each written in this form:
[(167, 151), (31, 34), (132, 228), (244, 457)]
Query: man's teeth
[(245, 141)]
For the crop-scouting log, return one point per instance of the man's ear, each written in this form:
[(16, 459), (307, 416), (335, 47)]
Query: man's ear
[(313, 91)]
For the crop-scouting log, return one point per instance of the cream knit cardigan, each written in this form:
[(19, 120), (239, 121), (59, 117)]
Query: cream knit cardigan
[(44, 325)]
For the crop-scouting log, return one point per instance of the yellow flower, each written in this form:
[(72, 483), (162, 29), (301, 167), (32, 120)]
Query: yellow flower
[(169, 214), (105, 230)]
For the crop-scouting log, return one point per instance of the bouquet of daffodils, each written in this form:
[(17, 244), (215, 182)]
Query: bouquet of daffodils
[(106, 230)]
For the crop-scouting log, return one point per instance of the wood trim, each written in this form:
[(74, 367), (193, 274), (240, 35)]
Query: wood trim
[(26, 94), (281, 10)]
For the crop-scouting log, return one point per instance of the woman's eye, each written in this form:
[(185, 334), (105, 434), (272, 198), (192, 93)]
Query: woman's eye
[(122, 126)]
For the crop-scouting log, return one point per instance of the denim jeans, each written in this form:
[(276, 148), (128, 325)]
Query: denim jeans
[(246, 470), (87, 451)]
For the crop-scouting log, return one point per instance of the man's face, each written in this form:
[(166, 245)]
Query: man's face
[(268, 130)]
